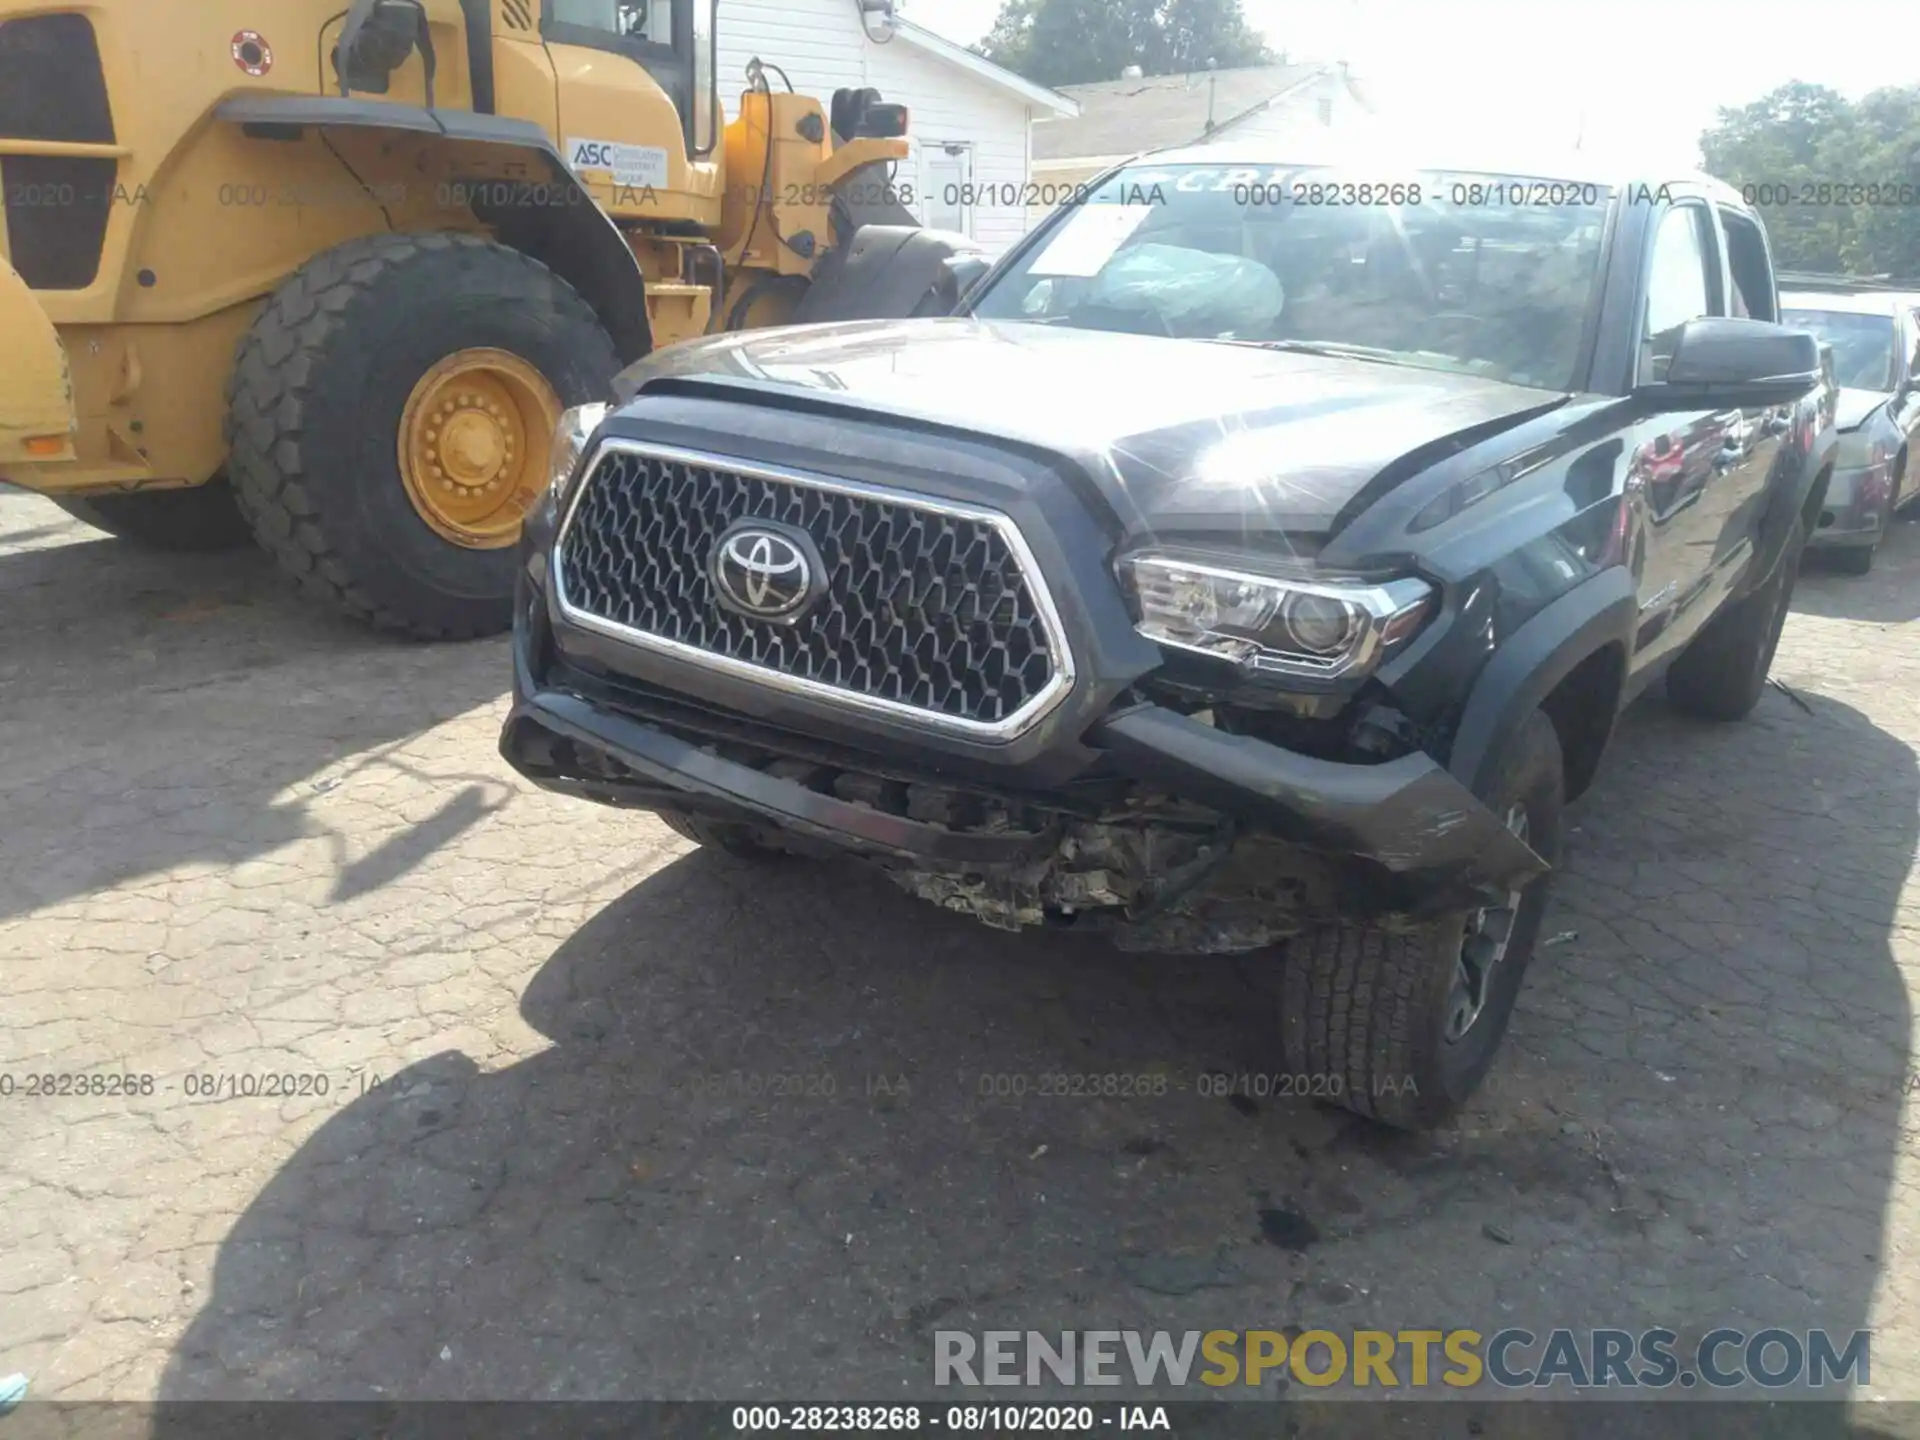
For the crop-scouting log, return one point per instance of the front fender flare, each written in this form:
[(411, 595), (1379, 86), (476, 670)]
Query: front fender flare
[(1600, 611), (574, 238), (886, 272)]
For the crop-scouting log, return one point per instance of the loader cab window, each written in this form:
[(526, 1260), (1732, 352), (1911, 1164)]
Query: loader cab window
[(629, 19), (706, 91), (673, 40)]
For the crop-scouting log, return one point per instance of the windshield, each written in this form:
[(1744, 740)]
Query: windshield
[(1862, 345), (1486, 275)]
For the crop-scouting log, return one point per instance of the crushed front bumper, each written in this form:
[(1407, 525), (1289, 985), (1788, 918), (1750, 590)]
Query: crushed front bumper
[(1400, 836)]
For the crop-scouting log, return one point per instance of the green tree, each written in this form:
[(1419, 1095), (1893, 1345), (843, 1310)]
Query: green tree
[(1887, 234), (1842, 176), (1070, 42)]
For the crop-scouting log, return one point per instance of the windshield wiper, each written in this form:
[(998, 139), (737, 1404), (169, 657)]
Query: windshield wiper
[(1328, 347)]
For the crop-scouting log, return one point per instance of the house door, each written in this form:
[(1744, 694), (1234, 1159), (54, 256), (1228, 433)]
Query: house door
[(948, 168)]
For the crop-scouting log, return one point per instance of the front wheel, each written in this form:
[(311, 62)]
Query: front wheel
[(390, 418), (711, 834), (1401, 1023), (1855, 559)]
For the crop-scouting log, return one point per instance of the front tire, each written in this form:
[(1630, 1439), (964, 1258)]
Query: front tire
[(1855, 559), (199, 518), (390, 414), (1400, 1024), (711, 834)]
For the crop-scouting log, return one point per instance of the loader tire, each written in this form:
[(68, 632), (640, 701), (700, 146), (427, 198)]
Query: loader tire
[(198, 518), (323, 400)]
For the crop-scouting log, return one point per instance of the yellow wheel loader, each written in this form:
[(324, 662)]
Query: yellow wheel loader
[(324, 273)]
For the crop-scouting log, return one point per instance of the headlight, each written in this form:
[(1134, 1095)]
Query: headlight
[(1860, 451), (570, 439), (1269, 625)]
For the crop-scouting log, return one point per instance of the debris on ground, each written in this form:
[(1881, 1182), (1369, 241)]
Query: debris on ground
[(1288, 1229), (13, 1389), (1175, 1274), (1494, 1233), (1562, 938), (1780, 685)]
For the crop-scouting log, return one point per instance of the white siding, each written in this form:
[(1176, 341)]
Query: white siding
[(820, 45), (1299, 117)]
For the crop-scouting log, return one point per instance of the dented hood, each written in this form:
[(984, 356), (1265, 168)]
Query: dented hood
[(1180, 435)]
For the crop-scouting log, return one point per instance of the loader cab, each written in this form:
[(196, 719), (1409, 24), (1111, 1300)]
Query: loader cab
[(674, 41)]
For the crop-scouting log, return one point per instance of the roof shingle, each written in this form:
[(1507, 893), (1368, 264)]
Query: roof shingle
[(1122, 117)]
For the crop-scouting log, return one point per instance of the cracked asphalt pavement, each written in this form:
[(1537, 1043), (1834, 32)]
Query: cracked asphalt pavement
[(578, 1110)]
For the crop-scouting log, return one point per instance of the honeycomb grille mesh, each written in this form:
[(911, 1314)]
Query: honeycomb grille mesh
[(920, 608)]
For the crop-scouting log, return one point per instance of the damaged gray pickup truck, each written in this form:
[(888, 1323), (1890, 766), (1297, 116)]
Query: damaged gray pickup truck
[(1256, 559)]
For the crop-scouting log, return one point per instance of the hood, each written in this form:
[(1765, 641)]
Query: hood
[(1178, 434), (1853, 407)]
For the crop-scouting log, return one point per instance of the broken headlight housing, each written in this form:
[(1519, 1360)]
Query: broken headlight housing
[(570, 439), (1271, 625)]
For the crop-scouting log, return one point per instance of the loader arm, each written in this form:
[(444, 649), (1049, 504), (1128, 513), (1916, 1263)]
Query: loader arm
[(36, 390)]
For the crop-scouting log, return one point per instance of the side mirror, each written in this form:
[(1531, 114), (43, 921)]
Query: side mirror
[(1724, 362), (958, 274)]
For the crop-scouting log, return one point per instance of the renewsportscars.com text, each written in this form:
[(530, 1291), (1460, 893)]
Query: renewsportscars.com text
[(1722, 1359)]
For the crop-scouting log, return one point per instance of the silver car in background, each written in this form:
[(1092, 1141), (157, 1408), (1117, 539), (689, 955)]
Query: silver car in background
[(1874, 336)]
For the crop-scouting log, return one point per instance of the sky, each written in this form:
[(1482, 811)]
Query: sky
[(1641, 78)]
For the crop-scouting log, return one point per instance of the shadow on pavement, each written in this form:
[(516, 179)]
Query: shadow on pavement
[(175, 702), (792, 1123)]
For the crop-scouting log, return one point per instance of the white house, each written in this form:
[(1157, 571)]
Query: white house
[(1287, 104), (970, 121)]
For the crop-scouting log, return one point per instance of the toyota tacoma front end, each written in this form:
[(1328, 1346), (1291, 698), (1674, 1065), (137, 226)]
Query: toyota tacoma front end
[(1135, 609)]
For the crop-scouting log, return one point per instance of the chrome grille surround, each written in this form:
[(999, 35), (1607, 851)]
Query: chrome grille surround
[(690, 626)]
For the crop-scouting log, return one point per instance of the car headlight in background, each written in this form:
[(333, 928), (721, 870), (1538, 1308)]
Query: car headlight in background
[(570, 439), (1872, 455), (1269, 625)]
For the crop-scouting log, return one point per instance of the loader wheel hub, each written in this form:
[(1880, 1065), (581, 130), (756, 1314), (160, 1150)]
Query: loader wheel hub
[(472, 447), (473, 443)]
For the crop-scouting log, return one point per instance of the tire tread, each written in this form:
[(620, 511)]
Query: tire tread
[(270, 390)]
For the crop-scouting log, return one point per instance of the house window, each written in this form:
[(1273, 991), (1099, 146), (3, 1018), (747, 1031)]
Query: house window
[(948, 169), (1325, 108)]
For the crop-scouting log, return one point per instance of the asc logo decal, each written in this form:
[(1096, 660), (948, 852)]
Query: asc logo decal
[(630, 165)]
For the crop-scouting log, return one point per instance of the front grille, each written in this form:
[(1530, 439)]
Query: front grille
[(927, 609), (52, 87)]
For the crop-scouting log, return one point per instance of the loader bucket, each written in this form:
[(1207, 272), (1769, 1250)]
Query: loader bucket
[(36, 391)]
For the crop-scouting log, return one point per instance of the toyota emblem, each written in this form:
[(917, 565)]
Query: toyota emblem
[(767, 572)]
